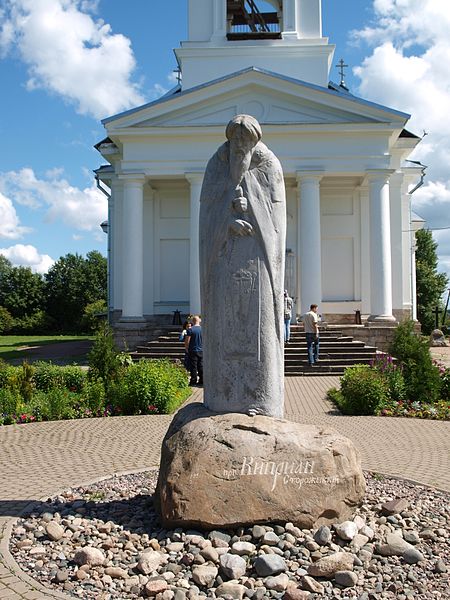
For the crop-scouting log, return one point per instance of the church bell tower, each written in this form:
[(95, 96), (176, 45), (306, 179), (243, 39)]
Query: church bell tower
[(282, 36)]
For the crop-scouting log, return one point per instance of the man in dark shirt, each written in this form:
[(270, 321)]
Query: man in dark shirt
[(195, 351)]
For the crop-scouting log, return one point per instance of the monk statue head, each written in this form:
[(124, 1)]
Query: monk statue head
[(243, 133)]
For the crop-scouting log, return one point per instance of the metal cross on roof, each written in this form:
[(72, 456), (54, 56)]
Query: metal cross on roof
[(178, 74), (341, 64)]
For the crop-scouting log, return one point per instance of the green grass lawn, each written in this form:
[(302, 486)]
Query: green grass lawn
[(11, 345)]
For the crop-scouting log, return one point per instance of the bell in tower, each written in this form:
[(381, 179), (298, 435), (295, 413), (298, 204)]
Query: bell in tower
[(227, 36), (253, 19)]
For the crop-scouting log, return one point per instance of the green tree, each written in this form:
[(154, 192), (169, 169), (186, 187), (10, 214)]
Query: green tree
[(430, 284), (73, 282), (21, 290)]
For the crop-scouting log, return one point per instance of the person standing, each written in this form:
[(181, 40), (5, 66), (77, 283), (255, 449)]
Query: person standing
[(311, 322), (195, 351), (288, 304), (184, 338)]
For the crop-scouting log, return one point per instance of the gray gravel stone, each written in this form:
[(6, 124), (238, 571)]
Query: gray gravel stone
[(232, 566), (346, 578), (269, 564)]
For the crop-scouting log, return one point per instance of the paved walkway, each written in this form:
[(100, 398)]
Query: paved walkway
[(40, 459)]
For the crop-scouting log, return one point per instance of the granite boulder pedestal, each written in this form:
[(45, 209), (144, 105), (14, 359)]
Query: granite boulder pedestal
[(226, 470)]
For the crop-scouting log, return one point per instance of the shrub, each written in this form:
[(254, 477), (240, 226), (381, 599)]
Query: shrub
[(47, 376), (38, 322), (53, 405), (73, 378), (7, 374), (93, 399), (6, 320), (150, 386), (393, 373), (10, 405), (94, 315), (363, 390), (103, 357), (422, 379)]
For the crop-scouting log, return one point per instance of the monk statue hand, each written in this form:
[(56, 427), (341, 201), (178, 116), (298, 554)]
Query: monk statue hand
[(240, 204), (241, 227)]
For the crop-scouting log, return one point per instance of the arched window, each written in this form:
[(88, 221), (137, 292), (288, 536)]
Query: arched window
[(254, 19)]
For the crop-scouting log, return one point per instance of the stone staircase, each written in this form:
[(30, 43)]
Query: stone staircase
[(337, 351)]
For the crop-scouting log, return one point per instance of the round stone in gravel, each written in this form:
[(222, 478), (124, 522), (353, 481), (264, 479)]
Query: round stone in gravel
[(205, 575), (54, 531), (278, 583), (367, 531), (440, 567), (269, 564), (258, 532), (89, 556), (232, 566), (295, 593), (311, 585), (270, 538), (329, 565), (175, 547), (149, 561), (230, 589), (323, 535), (61, 576), (116, 572), (210, 553), (411, 556), (243, 548), (346, 530), (411, 536), (346, 578), (155, 586), (214, 536)]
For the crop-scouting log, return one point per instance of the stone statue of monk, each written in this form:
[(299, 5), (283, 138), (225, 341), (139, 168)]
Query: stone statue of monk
[(242, 249)]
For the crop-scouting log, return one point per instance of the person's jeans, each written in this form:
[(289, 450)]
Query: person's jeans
[(312, 346), (196, 367), (287, 330)]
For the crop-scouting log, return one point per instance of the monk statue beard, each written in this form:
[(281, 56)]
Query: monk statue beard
[(240, 160)]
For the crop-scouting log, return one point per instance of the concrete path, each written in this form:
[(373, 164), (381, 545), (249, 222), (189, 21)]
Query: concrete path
[(39, 459)]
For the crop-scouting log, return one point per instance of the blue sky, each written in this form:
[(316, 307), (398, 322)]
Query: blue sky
[(66, 64)]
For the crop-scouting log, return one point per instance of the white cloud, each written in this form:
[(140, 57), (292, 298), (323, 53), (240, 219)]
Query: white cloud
[(82, 209), (70, 53), (408, 70), (9, 221), (28, 256)]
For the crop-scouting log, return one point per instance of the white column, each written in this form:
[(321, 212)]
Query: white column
[(413, 276), (290, 19), (195, 181), (219, 20), (309, 239), (132, 250), (380, 246), (396, 209)]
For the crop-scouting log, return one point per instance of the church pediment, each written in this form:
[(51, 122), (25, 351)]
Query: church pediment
[(270, 98)]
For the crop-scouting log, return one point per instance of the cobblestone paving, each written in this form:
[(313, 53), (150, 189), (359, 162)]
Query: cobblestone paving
[(39, 459)]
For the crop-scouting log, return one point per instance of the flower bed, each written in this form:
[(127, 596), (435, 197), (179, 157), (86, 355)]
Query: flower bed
[(47, 392), (410, 385)]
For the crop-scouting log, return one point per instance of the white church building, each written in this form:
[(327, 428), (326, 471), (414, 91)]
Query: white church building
[(350, 234)]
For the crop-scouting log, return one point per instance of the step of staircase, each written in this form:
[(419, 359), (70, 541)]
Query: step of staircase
[(337, 352)]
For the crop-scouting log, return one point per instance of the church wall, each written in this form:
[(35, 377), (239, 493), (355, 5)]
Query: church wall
[(169, 285), (299, 63), (340, 229), (346, 152)]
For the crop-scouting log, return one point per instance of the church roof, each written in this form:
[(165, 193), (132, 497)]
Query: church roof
[(332, 90)]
